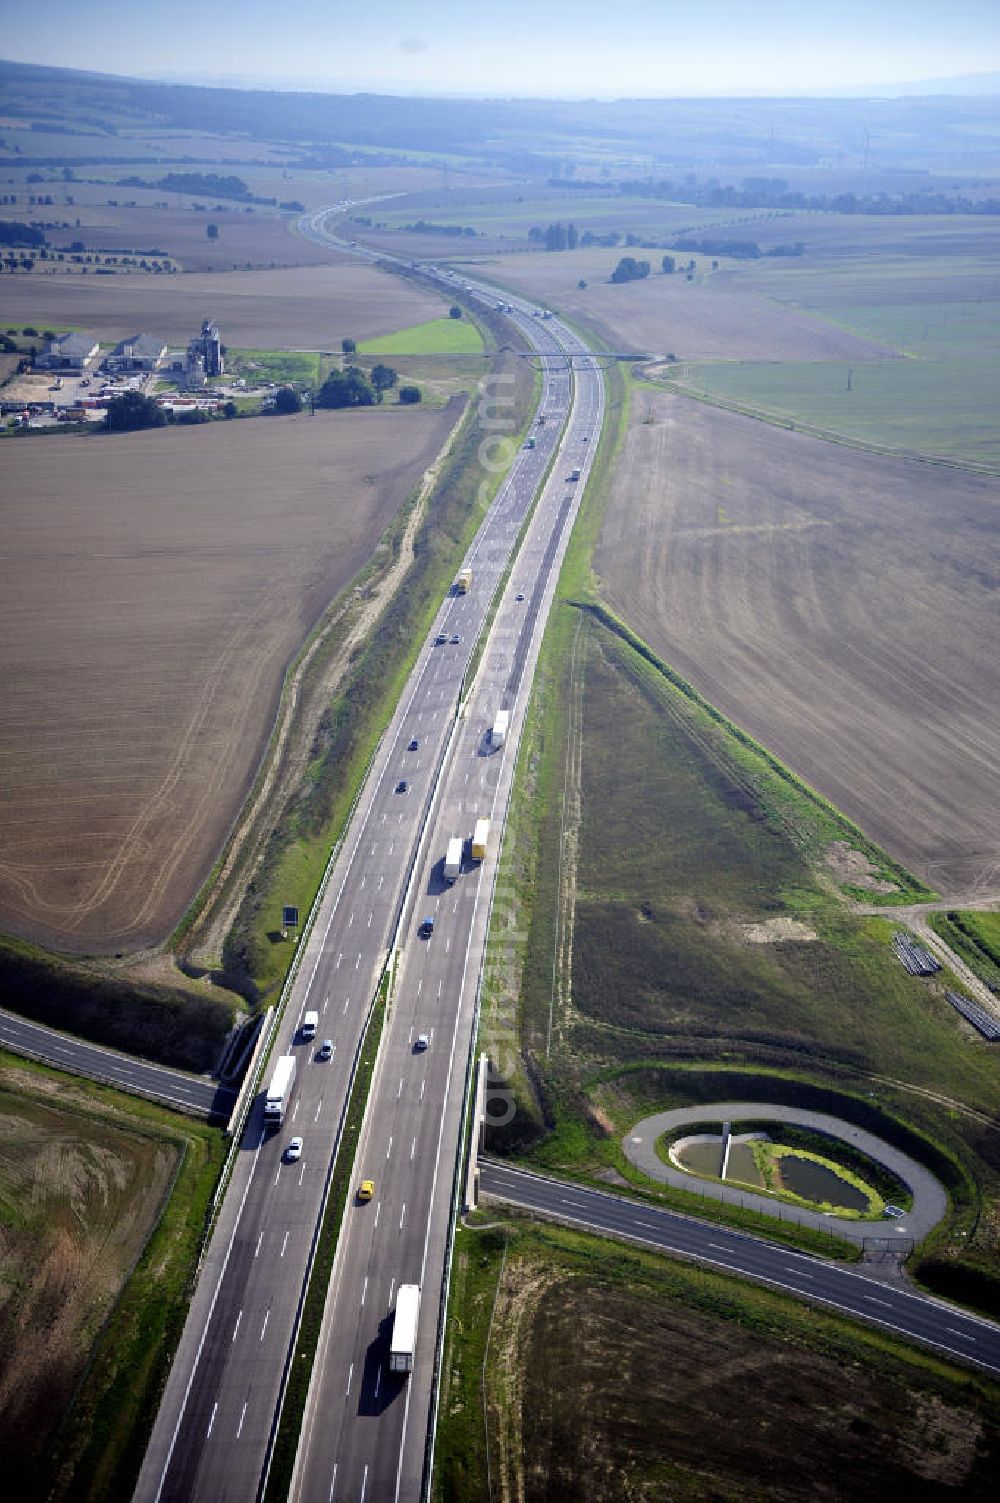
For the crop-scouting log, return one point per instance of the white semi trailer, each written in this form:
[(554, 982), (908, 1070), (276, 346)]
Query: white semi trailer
[(279, 1091), (404, 1329), (453, 860)]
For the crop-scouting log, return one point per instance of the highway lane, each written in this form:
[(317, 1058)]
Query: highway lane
[(915, 1316), (364, 1433), (212, 1435), (187, 1093)]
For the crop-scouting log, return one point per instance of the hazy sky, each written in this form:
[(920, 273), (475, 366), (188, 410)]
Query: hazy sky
[(575, 47)]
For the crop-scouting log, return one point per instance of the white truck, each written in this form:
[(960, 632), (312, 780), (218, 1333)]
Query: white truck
[(310, 1026), (480, 838), (499, 732), (279, 1091), (453, 860), (404, 1329)]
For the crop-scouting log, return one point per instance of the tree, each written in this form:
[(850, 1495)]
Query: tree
[(669, 265), (131, 411), (630, 270), (229, 409), (408, 395), (348, 347), (287, 399), (212, 231), (382, 377), (454, 311), (345, 389)]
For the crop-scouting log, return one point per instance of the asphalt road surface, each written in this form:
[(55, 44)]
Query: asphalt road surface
[(188, 1093), (910, 1314), (365, 1433), (212, 1435)]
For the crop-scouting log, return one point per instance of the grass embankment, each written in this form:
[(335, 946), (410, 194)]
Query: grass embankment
[(976, 938), (938, 399), (341, 1189), (664, 900), (438, 336), (299, 848), (175, 1025), (613, 1372), (109, 1252)]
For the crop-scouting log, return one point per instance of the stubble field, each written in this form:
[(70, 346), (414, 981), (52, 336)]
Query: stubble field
[(309, 308), (839, 606), (79, 1195), (707, 319), (154, 586)]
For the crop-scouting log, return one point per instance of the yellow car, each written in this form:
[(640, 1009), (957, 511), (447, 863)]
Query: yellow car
[(367, 1189)]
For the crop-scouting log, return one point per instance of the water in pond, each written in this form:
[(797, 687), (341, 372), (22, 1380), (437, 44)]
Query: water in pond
[(741, 1165), (816, 1183), (701, 1158)]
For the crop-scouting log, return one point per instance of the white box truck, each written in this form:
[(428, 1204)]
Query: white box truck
[(310, 1025), (499, 732), (404, 1329), (453, 860), (480, 837), (279, 1091)]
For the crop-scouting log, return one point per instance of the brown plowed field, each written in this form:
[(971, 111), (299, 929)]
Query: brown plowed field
[(842, 607), (309, 307), (700, 320), (153, 587)]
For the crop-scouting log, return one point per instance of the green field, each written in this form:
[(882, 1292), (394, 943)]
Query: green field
[(976, 938), (683, 1385), (940, 315), (301, 367), (439, 336)]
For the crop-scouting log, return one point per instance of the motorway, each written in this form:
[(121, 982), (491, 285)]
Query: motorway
[(187, 1093), (364, 1434), (915, 1316), (213, 1433)]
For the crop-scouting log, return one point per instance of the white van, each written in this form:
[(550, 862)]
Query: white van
[(310, 1023)]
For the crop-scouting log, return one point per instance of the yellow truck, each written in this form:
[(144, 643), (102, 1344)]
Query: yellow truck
[(480, 839), (463, 584)]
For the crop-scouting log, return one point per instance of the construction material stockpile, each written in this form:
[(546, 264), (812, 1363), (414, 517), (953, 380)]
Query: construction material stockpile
[(976, 1015), (917, 960)]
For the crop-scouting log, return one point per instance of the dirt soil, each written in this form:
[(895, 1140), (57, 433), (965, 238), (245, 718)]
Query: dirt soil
[(701, 320), (842, 607), (79, 1197), (703, 1407), (153, 588), (309, 307)]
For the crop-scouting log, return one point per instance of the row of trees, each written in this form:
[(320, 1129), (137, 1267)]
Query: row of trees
[(352, 388)]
